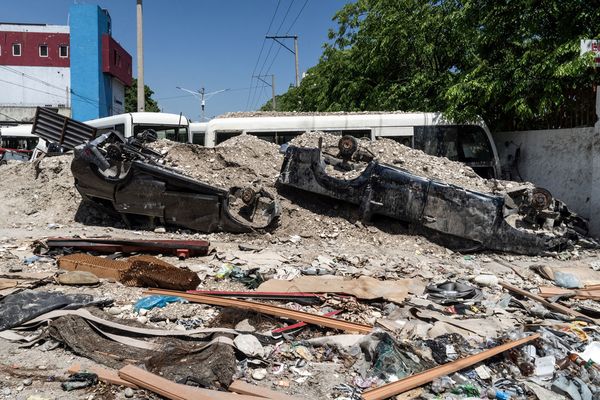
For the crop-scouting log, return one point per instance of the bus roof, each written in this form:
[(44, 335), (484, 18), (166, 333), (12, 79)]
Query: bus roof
[(153, 118), (18, 130)]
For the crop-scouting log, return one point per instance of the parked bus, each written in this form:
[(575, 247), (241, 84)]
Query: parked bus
[(198, 132), (17, 143), (470, 143), (168, 126)]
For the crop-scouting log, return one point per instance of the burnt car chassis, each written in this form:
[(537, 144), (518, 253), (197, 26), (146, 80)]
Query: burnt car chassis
[(126, 176), (461, 217)]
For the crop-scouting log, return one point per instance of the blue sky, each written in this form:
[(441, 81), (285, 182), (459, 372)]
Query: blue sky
[(201, 43)]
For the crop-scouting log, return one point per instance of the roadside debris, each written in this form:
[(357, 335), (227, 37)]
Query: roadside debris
[(180, 248), (141, 271)]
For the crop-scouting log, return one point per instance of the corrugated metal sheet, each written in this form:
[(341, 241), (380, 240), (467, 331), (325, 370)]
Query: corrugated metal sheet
[(57, 128)]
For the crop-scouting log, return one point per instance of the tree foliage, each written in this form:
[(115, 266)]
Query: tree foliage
[(150, 104), (515, 63)]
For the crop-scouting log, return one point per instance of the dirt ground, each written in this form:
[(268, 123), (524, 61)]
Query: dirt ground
[(40, 201)]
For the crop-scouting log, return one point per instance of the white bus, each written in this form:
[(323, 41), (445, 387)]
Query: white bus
[(470, 143), (168, 126), (198, 132)]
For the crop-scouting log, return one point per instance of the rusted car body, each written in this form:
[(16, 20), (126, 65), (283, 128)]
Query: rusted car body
[(527, 223)]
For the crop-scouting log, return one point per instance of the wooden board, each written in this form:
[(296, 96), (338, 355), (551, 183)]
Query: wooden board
[(422, 378), (552, 306), (172, 390), (267, 309), (551, 291)]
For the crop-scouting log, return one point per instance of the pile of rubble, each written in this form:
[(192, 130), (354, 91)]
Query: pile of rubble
[(322, 306)]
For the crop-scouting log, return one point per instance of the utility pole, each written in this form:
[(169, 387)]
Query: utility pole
[(294, 52), (203, 96), (260, 78), (141, 98)]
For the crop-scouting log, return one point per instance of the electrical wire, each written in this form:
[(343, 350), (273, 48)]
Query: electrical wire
[(261, 50)]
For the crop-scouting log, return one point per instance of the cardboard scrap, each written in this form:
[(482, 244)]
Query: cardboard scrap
[(364, 287), (590, 293), (583, 272)]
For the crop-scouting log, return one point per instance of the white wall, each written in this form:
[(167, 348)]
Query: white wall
[(559, 160), (34, 86), (118, 94)]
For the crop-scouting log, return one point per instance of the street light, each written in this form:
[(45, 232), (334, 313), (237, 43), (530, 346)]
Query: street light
[(202, 95)]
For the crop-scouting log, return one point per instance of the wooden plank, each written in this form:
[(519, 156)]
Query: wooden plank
[(242, 387), (267, 309), (422, 378), (105, 375), (552, 306), (172, 390)]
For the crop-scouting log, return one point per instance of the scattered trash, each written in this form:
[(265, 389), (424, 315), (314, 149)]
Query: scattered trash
[(80, 380), (149, 302), (453, 292)]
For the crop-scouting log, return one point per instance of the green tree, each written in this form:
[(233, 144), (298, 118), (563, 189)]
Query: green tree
[(131, 98), (515, 63)]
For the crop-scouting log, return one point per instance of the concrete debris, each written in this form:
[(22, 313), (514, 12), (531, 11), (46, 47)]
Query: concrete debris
[(371, 330)]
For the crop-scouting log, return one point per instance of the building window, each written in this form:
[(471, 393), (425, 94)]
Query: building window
[(43, 50), (16, 49), (63, 51)]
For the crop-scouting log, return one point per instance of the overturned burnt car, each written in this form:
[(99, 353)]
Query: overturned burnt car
[(126, 176), (525, 221)]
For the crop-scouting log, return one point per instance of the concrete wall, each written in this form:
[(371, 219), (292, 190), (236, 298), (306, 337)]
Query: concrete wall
[(559, 160), (15, 115)]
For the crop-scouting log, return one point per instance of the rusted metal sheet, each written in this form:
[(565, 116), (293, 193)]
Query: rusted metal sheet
[(179, 248)]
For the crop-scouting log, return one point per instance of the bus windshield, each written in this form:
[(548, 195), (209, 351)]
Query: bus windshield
[(174, 133), (18, 142), (465, 143)]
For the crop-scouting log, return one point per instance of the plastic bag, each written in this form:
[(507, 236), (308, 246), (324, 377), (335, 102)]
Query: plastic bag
[(150, 302)]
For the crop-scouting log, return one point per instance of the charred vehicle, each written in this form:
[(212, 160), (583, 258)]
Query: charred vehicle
[(127, 177), (524, 221)]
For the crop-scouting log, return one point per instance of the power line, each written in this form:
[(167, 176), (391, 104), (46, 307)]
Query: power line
[(261, 50), (256, 96)]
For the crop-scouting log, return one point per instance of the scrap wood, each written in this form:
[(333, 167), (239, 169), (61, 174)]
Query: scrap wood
[(172, 390), (422, 378), (298, 297), (242, 387), (553, 306), (582, 294), (104, 374), (180, 248), (583, 273), (267, 309)]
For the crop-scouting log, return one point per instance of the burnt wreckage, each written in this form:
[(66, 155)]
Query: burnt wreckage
[(526, 220), (126, 176)]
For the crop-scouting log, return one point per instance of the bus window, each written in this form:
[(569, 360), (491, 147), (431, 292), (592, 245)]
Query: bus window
[(276, 137), (465, 143), (198, 138), (18, 143), (224, 135), (357, 133), (474, 144), (405, 140), (174, 133), (120, 128)]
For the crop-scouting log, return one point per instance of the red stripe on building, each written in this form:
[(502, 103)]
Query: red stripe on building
[(30, 49)]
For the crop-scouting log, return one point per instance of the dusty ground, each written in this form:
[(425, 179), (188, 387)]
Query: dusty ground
[(42, 202)]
